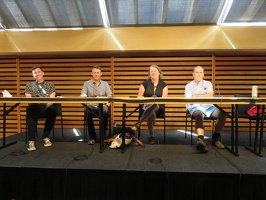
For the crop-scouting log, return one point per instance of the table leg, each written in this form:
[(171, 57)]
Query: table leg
[(234, 131), (124, 128), (5, 113), (259, 120), (101, 124)]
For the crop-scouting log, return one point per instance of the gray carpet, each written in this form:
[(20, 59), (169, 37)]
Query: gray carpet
[(176, 155)]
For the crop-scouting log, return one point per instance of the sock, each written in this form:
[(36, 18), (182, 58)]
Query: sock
[(216, 136), (201, 137)]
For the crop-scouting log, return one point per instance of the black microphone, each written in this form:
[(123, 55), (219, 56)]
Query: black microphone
[(154, 89), (94, 90), (218, 88)]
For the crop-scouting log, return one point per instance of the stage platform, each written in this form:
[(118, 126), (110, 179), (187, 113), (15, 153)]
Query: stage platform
[(72, 169)]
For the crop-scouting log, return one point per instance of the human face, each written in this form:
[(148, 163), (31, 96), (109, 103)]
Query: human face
[(38, 75), (154, 73), (96, 74), (198, 74)]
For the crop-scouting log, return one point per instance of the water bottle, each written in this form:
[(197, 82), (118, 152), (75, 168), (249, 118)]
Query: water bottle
[(255, 91)]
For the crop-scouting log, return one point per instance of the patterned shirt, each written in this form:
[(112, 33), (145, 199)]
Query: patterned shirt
[(44, 89)]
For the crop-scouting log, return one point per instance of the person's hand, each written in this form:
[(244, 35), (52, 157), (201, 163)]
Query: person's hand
[(105, 107)]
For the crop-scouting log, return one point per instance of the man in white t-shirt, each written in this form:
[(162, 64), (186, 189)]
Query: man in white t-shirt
[(202, 88)]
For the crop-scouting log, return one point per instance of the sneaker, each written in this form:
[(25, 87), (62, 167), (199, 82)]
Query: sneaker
[(201, 146), (218, 144), (46, 142), (31, 146), (151, 140), (91, 141)]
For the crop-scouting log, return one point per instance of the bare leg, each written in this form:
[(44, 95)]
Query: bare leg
[(200, 144), (151, 122), (221, 118), (151, 110), (216, 137), (199, 117)]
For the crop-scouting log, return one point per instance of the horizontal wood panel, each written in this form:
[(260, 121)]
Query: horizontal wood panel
[(232, 73)]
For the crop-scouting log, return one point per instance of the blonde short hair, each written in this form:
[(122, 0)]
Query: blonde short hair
[(159, 70)]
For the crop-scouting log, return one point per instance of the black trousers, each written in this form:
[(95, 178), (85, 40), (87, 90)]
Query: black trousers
[(36, 111), (94, 113)]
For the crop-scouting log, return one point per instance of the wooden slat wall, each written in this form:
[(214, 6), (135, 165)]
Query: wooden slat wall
[(8, 81), (237, 74), (233, 73)]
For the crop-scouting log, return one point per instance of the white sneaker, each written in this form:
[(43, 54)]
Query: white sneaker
[(31, 146), (91, 142), (47, 142)]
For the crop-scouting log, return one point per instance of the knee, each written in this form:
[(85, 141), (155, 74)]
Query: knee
[(50, 111), (198, 115), (152, 119), (222, 117), (32, 111), (88, 116), (105, 114)]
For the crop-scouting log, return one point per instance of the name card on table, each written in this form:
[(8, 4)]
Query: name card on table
[(6, 94)]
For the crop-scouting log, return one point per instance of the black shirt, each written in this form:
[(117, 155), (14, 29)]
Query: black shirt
[(149, 88)]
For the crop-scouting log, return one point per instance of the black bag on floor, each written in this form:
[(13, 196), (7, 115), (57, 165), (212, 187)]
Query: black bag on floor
[(119, 129)]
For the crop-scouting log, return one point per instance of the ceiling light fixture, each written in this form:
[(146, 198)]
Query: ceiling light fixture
[(104, 13), (224, 13), (231, 43), (116, 41), (1, 26), (245, 24), (34, 29)]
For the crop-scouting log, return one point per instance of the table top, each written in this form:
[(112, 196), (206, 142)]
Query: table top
[(158, 100), (54, 100), (184, 100)]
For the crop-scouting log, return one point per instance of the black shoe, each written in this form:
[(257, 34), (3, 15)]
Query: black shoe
[(151, 140), (201, 146)]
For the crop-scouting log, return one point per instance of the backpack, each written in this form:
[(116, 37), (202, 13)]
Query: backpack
[(253, 111), (117, 142)]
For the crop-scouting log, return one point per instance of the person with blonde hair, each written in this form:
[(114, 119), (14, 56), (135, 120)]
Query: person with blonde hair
[(152, 86)]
